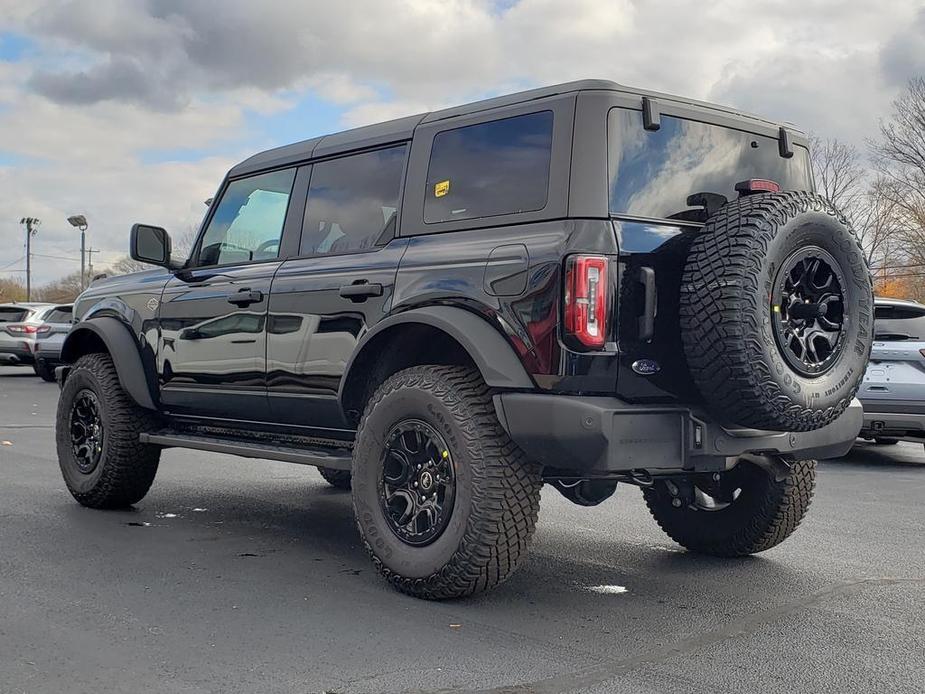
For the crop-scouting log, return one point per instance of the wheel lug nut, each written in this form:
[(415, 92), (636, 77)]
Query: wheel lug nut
[(415, 484), (676, 502)]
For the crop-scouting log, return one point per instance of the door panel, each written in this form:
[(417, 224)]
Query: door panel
[(313, 329), (212, 356)]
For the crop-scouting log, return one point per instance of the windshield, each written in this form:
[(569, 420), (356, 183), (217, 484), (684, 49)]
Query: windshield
[(652, 172)]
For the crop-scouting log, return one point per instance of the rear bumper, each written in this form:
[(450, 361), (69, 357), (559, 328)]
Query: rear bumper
[(601, 435), (10, 355), (889, 421)]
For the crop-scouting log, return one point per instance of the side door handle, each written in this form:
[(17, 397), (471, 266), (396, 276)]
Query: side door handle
[(360, 291), (246, 297)]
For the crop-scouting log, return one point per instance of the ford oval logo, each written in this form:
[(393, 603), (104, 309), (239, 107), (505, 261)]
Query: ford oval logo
[(646, 367)]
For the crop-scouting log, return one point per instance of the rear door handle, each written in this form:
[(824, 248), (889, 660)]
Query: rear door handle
[(246, 297), (360, 291)]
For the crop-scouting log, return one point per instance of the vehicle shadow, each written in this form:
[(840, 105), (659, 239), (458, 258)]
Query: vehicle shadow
[(871, 455)]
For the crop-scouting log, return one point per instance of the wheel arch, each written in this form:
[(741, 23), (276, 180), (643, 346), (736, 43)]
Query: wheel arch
[(110, 335), (429, 335)]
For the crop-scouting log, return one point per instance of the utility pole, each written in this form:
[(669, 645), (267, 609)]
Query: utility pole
[(90, 252), (30, 223)]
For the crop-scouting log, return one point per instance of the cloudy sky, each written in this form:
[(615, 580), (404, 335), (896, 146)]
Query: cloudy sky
[(132, 110)]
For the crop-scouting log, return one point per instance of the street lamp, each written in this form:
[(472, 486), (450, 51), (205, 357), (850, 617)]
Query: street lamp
[(79, 221)]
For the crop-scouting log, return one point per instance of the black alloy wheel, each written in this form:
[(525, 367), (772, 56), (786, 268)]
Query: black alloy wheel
[(86, 431), (418, 485), (808, 313)]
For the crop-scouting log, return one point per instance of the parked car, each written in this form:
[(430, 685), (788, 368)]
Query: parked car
[(19, 326), (49, 338), (893, 390), (582, 285)]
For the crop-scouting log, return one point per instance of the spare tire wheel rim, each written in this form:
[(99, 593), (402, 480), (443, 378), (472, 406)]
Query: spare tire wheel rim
[(808, 311), (417, 488)]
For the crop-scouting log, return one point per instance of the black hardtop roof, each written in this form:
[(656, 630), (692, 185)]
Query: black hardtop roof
[(403, 128)]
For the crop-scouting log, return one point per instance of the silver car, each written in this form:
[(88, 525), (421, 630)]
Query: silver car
[(49, 338), (19, 325), (893, 390)]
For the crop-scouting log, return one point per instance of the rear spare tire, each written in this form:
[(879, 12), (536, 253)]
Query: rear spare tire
[(776, 312)]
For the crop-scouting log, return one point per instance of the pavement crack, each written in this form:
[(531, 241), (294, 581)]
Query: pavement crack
[(598, 674)]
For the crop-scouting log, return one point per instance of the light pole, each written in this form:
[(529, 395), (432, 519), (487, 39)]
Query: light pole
[(30, 223), (79, 221)]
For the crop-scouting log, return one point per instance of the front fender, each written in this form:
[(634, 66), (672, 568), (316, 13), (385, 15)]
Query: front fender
[(117, 339)]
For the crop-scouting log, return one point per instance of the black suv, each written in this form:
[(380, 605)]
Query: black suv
[(580, 285)]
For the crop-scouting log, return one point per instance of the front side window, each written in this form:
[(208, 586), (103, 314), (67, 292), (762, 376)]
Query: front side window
[(353, 202), (652, 173), (494, 168), (248, 222)]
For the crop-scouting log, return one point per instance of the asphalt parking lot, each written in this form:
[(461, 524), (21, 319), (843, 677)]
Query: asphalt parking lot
[(248, 576)]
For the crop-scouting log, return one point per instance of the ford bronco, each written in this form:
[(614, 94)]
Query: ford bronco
[(583, 286)]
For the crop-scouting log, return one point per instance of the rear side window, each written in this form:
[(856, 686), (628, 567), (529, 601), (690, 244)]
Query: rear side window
[(12, 314), (353, 202), (652, 172), (494, 168)]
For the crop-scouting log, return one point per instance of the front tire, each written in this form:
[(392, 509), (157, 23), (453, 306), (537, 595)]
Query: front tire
[(445, 502), (748, 511), (103, 463)]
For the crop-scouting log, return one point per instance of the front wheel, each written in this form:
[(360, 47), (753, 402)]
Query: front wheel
[(445, 502), (103, 463), (745, 510)]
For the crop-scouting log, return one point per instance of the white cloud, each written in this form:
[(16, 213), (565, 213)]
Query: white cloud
[(109, 81)]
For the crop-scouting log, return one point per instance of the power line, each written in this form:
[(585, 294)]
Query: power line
[(13, 263)]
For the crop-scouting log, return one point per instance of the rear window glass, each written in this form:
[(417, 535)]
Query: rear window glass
[(652, 172), (12, 314), (488, 169), (898, 323), (58, 315)]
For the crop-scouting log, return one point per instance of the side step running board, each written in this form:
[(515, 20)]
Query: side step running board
[(334, 458)]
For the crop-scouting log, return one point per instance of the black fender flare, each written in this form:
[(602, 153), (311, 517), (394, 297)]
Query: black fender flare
[(121, 345), (492, 353)]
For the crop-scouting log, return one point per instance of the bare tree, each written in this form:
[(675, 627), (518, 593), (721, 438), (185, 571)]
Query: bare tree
[(842, 176), (839, 172), (899, 156)]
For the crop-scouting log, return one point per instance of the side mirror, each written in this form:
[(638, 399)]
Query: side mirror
[(150, 244)]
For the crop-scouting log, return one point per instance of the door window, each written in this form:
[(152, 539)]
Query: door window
[(353, 202), (248, 222)]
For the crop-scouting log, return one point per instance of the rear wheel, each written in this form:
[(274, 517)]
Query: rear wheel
[(739, 512), (445, 502), (103, 463), (339, 479), (43, 371)]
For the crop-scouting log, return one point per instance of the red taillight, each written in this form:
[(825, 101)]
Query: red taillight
[(757, 185), (586, 299), (43, 329), (18, 329)]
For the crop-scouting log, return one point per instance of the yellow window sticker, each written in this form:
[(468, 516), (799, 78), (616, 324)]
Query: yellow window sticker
[(441, 188)]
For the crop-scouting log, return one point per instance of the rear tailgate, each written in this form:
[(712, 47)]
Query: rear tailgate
[(896, 372)]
